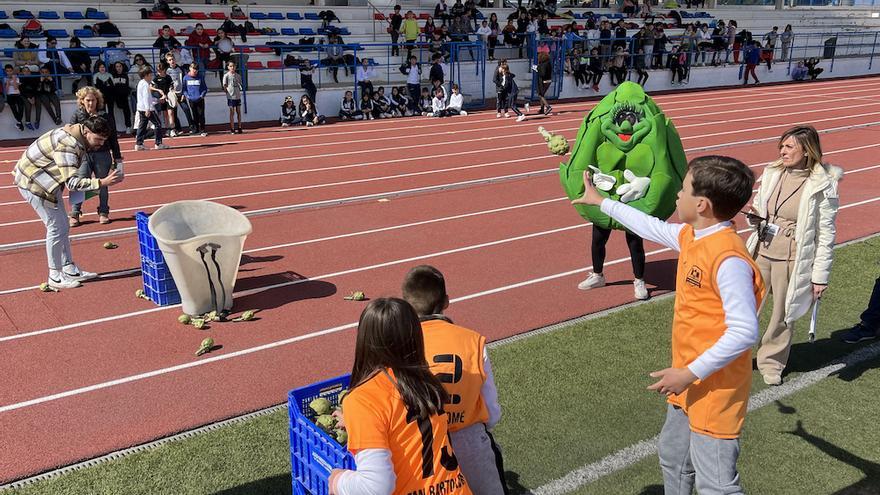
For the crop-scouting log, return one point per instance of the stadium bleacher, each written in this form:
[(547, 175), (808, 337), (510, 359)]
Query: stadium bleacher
[(360, 26)]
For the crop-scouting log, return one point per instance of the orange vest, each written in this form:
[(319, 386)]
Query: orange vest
[(376, 418), (455, 355), (717, 405)]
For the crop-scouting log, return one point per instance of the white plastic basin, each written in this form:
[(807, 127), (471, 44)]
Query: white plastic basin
[(202, 243)]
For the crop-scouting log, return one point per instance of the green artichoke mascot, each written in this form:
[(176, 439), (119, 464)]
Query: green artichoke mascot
[(635, 156)]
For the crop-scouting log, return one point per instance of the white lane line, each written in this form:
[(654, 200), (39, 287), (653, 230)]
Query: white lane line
[(212, 154), (628, 456), (374, 179), (271, 345), (671, 99), (415, 159), (344, 236)]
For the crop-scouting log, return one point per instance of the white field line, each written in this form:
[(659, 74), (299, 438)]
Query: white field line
[(346, 235), (300, 338), (628, 456), (415, 159), (833, 97), (89, 235), (688, 98), (429, 172)]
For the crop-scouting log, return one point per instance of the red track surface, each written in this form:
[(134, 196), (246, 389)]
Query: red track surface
[(93, 370)]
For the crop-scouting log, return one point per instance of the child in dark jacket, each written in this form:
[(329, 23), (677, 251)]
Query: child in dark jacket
[(121, 91), (348, 108), (425, 103), (398, 104), (289, 112), (367, 106), (47, 97), (28, 89)]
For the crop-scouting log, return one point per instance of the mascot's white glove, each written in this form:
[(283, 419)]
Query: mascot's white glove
[(635, 187), (603, 182)]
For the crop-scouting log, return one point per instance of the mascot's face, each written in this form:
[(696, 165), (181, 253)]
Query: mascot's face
[(625, 125)]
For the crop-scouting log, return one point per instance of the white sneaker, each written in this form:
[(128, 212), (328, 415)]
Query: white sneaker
[(521, 118), (139, 147), (285, 124), (162, 147), (463, 113), (63, 282), (641, 292), (203, 134), (527, 107), (172, 133), (506, 114), (595, 280), (73, 272), (498, 115)]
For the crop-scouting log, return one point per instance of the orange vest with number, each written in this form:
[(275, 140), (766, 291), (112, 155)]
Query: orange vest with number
[(455, 355), (717, 405), (424, 463)]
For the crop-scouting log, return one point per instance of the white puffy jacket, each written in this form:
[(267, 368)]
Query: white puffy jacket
[(814, 233)]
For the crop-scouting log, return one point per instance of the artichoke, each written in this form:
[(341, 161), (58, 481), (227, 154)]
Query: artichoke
[(321, 406), (206, 346)]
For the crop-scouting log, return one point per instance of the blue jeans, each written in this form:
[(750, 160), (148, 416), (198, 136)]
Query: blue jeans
[(871, 316), (54, 217)]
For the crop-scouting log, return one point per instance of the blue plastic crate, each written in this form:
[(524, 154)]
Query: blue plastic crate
[(156, 271), (313, 454), (160, 286), (162, 298)]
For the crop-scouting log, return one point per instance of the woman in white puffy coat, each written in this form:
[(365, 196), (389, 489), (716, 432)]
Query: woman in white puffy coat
[(793, 245)]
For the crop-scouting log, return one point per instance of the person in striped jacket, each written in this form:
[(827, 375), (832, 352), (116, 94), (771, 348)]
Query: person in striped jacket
[(48, 165)]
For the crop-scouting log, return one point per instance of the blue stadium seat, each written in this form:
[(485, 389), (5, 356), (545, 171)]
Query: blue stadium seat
[(7, 52), (8, 33), (24, 14), (110, 35), (294, 16), (48, 14), (94, 51), (98, 16), (57, 33), (311, 16), (3, 14), (74, 16), (275, 16), (288, 31), (258, 16), (344, 31), (307, 31), (83, 33)]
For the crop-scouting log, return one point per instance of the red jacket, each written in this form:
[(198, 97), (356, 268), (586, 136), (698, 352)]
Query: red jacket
[(195, 40)]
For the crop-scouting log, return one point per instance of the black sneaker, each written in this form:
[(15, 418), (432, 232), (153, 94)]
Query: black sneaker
[(19, 126), (858, 333)]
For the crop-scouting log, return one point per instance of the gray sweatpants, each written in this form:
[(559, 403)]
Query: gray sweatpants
[(54, 217), (686, 457), (479, 458)]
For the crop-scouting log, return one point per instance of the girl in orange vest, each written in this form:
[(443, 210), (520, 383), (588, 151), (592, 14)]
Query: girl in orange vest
[(397, 429)]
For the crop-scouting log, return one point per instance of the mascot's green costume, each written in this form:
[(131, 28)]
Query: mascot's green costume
[(633, 153), (635, 156)]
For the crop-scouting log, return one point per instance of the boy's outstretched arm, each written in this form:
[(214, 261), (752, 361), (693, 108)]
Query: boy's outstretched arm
[(641, 224)]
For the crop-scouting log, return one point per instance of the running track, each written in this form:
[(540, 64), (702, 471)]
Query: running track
[(93, 370)]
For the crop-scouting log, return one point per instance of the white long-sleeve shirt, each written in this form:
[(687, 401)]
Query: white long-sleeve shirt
[(365, 74), (734, 278), (145, 99), (43, 56), (438, 104), (456, 100)]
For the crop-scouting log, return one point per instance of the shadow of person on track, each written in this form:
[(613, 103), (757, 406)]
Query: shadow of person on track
[(513, 485), (661, 274), (299, 288), (652, 490), (276, 485), (871, 469)]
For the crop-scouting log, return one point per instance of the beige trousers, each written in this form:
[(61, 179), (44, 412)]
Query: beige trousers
[(776, 342)]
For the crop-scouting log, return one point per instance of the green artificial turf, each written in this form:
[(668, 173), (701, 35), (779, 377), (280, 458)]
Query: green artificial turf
[(574, 396)]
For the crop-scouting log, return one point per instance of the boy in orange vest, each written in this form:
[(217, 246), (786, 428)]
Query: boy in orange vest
[(458, 357), (718, 291)]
